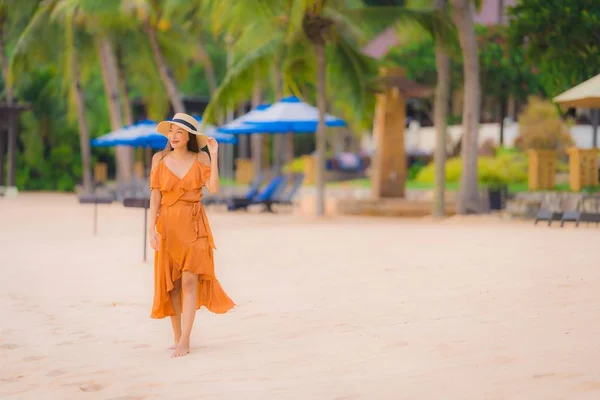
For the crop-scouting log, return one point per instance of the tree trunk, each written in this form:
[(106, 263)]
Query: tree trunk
[(108, 63), (278, 138), (165, 72), (11, 133), (9, 99), (244, 149), (124, 89), (84, 136), (256, 140), (321, 129), (2, 146), (440, 116), (503, 107), (209, 70), (468, 197)]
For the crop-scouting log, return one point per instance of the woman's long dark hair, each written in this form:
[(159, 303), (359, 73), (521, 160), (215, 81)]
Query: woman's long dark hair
[(192, 145)]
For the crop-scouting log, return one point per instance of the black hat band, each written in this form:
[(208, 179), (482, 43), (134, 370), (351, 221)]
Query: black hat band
[(184, 122)]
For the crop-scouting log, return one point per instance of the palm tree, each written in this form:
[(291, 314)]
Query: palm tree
[(319, 36), (77, 91), (100, 21), (189, 18), (42, 27), (468, 198), (440, 117), (151, 13), (13, 15)]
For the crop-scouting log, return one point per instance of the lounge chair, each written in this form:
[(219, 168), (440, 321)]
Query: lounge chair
[(252, 191), (285, 198), (273, 189), (551, 210), (587, 210)]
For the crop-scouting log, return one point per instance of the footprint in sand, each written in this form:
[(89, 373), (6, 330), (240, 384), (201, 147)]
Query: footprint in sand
[(55, 373), (86, 336), (33, 358), (141, 346), (12, 379), (9, 346), (91, 387)]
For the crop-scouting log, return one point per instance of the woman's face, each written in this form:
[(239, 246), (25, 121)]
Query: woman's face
[(178, 137)]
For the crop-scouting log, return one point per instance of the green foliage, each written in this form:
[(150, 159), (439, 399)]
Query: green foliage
[(296, 166), (508, 167), (415, 169), (561, 38), (50, 158), (541, 127), (503, 71), (505, 168)]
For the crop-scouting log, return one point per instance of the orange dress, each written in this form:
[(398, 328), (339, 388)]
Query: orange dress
[(185, 240)]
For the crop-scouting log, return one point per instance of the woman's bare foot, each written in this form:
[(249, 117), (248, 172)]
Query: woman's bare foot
[(175, 343), (182, 349)]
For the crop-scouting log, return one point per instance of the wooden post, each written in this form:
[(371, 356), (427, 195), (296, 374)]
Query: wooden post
[(100, 173), (542, 169), (244, 171), (583, 168), (389, 167), (310, 169)]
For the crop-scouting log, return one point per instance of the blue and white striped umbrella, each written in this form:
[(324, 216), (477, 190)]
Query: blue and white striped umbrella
[(238, 126), (289, 115), (144, 134)]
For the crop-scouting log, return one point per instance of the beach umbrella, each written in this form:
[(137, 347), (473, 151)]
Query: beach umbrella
[(584, 95), (290, 115), (144, 134), (238, 126), (125, 136)]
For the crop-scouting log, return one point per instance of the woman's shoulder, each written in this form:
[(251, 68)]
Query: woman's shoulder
[(157, 158), (203, 158)]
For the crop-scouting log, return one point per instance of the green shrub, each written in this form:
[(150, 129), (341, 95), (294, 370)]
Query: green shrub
[(414, 169), (295, 166), (505, 168)]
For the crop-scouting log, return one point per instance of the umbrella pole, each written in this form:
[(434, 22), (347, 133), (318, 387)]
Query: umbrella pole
[(230, 168), (145, 231), (95, 211)]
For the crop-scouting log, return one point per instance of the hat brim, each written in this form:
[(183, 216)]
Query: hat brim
[(164, 126)]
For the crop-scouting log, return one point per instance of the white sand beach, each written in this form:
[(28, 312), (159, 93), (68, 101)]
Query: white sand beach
[(340, 308)]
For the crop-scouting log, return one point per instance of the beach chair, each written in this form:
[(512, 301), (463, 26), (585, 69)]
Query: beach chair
[(272, 189), (252, 191), (587, 210), (551, 210), (285, 198)]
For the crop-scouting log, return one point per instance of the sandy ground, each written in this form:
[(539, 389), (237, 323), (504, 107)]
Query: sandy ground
[(359, 308)]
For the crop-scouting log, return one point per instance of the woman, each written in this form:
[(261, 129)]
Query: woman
[(184, 278)]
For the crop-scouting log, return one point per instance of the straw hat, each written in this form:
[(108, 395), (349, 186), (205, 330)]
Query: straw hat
[(186, 122)]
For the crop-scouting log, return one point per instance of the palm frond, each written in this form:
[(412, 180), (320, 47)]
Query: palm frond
[(295, 17), (349, 72), (234, 17), (29, 37), (348, 25), (437, 23), (240, 79)]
